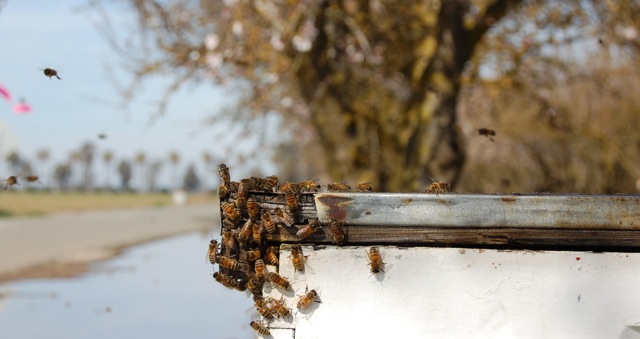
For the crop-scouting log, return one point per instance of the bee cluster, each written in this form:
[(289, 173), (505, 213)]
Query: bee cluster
[(255, 212)]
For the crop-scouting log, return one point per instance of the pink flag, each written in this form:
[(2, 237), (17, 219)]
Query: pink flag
[(22, 108), (5, 93)]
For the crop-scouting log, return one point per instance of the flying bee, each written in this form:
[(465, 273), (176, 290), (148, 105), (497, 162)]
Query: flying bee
[(271, 256), (260, 269), (338, 187), (270, 182), (32, 178), (297, 258), (364, 187), (260, 328), (489, 133), (308, 230), (305, 300), (230, 211), (283, 217), (102, 136), (223, 170), (229, 241), (253, 209), (245, 232), (212, 253), (10, 181), (308, 186), (254, 285), (251, 255), (229, 263), (375, 260), (437, 187), (279, 281), (280, 307), (267, 221), (292, 200), (50, 72), (227, 281), (337, 230)]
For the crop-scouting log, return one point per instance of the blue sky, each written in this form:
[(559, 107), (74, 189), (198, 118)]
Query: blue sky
[(38, 34)]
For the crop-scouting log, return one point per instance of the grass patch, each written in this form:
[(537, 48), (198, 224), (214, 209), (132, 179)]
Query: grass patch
[(21, 203)]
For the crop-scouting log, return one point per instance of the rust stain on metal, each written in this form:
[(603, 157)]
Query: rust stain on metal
[(337, 206), (407, 201), (508, 199)]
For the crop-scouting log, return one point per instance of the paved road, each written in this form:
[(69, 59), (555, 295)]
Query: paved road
[(88, 236)]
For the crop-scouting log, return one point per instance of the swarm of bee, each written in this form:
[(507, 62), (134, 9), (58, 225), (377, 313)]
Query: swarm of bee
[(257, 213)]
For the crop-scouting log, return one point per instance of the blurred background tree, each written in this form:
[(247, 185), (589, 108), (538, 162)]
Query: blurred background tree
[(395, 92)]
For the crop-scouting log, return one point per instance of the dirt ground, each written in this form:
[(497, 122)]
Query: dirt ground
[(64, 245)]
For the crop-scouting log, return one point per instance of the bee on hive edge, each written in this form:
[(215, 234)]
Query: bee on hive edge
[(308, 230), (291, 200), (338, 187), (271, 255), (251, 255), (212, 253), (270, 183), (227, 281), (337, 230), (364, 187), (223, 171), (279, 281), (280, 307), (230, 211), (283, 217), (260, 328), (229, 241), (309, 186), (307, 299), (260, 269), (297, 258), (375, 260), (438, 187), (253, 209), (229, 263), (50, 72), (267, 221)]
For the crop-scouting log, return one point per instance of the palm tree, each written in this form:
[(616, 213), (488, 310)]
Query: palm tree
[(75, 158), (43, 156), (124, 169), (140, 160), (86, 158), (107, 157), (174, 159), (15, 162)]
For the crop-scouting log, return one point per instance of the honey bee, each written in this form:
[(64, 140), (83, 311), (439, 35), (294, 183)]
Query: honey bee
[(280, 308), (241, 198), (283, 217), (229, 263), (223, 191), (223, 170), (251, 255), (253, 209), (260, 269), (337, 231), (489, 133), (10, 181), (270, 182), (254, 285), (212, 253), (245, 232), (308, 230), (292, 200), (230, 211), (437, 187), (257, 184), (338, 187), (292, 186), (229, 241), (268, 222), (364, 187), (305, 301), (271, 255), (297, 258), (375, 260), (227, 281), (50, 72), (32, 178), (260, 328), (264, 311), (308, 186), (279, 281), (257, 233)]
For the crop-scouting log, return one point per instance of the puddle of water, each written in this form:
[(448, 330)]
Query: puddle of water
[(159, 290)]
